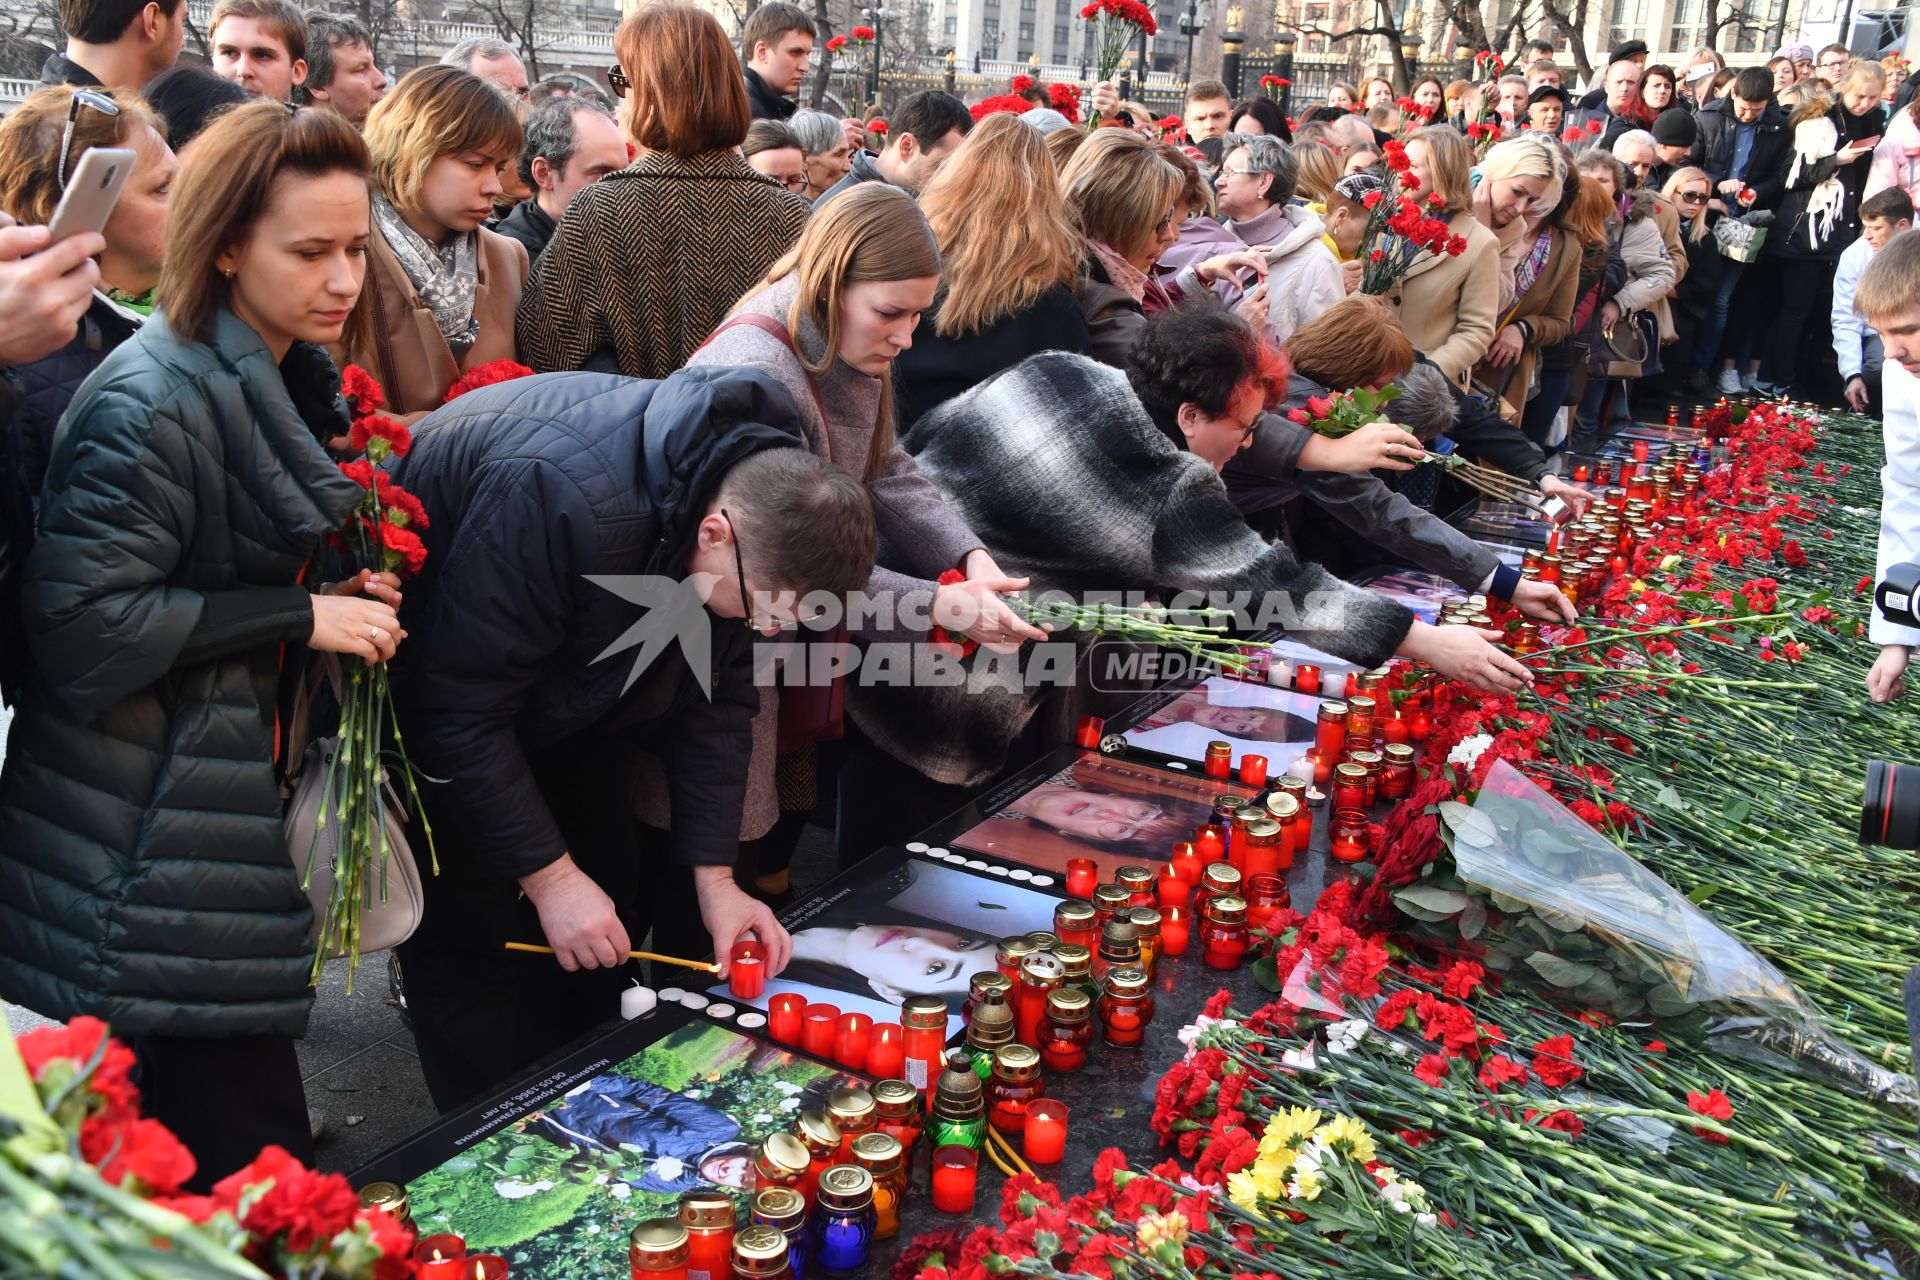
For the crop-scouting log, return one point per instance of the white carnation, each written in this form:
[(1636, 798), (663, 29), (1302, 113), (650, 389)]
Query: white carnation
[(1467, 751)]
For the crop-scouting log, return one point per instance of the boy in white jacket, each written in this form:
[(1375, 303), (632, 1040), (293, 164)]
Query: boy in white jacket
[(1888, 297), (1882, 217)]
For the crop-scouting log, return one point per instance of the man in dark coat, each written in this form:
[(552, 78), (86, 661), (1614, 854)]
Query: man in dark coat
[(118, 44), (531, 681), (776, 43), (571, 142), (925, 129), (1743, 139)]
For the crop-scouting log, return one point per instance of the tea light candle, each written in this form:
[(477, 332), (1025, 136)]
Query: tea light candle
[(887, 1051), (448, 1269), (637, 1002), (1280, 673), (817, 1025), (1175, 931), (956, 1171), (784, 1017), (1083, 877), (1253, 770), (483, 1266), (747, 979), (1306, 678), (852, 1034), (440, 1248), (1045, 1135)]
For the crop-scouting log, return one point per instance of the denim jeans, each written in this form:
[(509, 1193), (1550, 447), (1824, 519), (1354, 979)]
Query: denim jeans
[(1707, 344), (1538, 417)]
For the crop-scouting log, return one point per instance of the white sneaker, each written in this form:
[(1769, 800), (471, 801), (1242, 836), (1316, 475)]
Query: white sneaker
[(1729, 383), (1750, 381)]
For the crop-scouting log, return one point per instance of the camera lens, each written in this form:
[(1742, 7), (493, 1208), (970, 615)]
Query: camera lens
[(1890, 811)]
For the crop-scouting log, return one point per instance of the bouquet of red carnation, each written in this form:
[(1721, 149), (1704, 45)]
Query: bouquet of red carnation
[(836, 44), (1272, 85), (485, 375), (381, 537), (1004, 102), (1066, 100), (1171, 128), (1399, 229), (1122, 23), (1021, 84), (1483, 134), (1488, 65), (90, 1187)]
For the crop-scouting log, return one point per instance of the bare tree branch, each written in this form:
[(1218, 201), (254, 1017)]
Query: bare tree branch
[(1574, 27)]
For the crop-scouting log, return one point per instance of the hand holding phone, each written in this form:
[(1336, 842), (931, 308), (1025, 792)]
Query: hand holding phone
[(93, 188)]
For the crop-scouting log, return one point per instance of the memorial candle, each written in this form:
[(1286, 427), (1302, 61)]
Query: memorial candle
[(1083, 877), (1253, 770), (925, 1020), (1187, 862), (785, 1017), (1211, 841), (852, 1034), (657, 1250), (1393, 729), (1170, 890), (440, 1248), (1174, 931), (956, 1171), (1306, 678), (1219, 762), (1045, 1136), (1090, 732), (886, 1050), (748, 977), (818, 1022), (483, 1266)]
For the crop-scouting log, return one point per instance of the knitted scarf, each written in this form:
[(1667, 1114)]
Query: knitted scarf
[(447, 278)]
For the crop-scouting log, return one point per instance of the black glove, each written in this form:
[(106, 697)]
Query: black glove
[(313, 384)]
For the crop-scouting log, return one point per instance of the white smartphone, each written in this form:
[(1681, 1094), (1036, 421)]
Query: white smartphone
[(93, 187)]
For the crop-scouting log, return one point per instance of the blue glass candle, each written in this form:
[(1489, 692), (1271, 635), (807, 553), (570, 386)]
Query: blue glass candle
[(842, 1225), (783, 1207)]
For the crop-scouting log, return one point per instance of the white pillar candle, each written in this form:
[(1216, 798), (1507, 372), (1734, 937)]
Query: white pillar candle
[(1280, 673), (637, 1002)]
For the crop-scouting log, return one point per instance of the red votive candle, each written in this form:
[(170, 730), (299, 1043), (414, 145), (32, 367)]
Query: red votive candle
[(483, 1266), (1170, 889), (1352, 685), (886, 1051), (1187, 863), (785, 1015), (1253, 770), (850, 1039), (1174, 931), (1348, 842), (1219, 762), (1092, 728), (1211, 843), (818, 1024), (1580, 473), (441, 1248), (956, 1170), (1045, 1132), (1306, 678), (1639, 450), (1265, 896), (1083, 877), (450, 1269), (747, 980), (1394, 729)]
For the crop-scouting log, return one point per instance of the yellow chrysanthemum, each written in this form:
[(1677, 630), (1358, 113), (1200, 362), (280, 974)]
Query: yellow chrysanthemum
[(1244, 1191), (1270, 1175), (1307, 1186), (1290, 1127), (1349, 1135)]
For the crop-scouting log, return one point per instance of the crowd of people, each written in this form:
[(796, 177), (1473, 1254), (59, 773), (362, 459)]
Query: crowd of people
[(776, 353)]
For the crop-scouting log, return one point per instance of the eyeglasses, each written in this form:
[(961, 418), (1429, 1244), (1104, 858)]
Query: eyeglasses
[(794, 182), (740, 574), (1691, 197), (81, 98), (1167, 221), (1238, 173), (618, 82)]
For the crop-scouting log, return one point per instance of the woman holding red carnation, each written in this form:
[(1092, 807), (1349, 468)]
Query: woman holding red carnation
[(144, 873)]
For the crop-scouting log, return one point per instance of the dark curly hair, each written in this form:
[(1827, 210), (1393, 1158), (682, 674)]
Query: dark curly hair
[(1201, 354)]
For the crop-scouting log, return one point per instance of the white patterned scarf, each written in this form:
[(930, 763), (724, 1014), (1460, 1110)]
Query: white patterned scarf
[(447, 278)]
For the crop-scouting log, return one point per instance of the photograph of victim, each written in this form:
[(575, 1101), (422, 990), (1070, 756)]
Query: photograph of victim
[(868, 941), (1117, 811), (1253, 718)]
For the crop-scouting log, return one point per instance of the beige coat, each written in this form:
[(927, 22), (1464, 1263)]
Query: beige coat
[(1546, 313), (407, 354), (1448, 305)]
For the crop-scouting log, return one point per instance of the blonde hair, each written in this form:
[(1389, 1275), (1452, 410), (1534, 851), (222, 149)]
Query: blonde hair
[(1320, 168), (1868, 73), (1120, 188), (875, 232), (436, 111), (1680, 178), (30, 145), (1450, 161), (1890, 286), (1001, 177)]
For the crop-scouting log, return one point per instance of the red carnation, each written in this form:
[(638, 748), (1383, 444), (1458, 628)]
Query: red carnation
[(485, 376), (1500, 1071), (1553, 1062), (1005, 102), (1565, 1121), (862, 34), (1714, 1105), (1432, 1069), (1022, 83), (877, 126), (1595, 127), (405, 544), (362, 392), (144, 1150)]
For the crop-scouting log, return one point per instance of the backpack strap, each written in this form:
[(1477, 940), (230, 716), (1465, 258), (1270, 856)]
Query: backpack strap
[(778, 332)]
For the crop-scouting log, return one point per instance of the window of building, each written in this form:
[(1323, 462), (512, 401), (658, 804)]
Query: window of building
[(953, 26), (1059, 40), (1629, 19), (1026, 34)]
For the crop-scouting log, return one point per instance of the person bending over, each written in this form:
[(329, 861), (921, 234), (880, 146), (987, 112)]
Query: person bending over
[(557, 504)]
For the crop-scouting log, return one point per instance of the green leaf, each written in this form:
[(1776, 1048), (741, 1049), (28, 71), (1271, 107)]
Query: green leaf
[(514, 1168), (1510, 905), (1560, 972), (1737, 810), (1433, 898), (1670, 798), (1564, 921), (1702, 893), (1266, 973), (1469, 824), (1666, 1001), (1472, 921), (525, 1151)]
